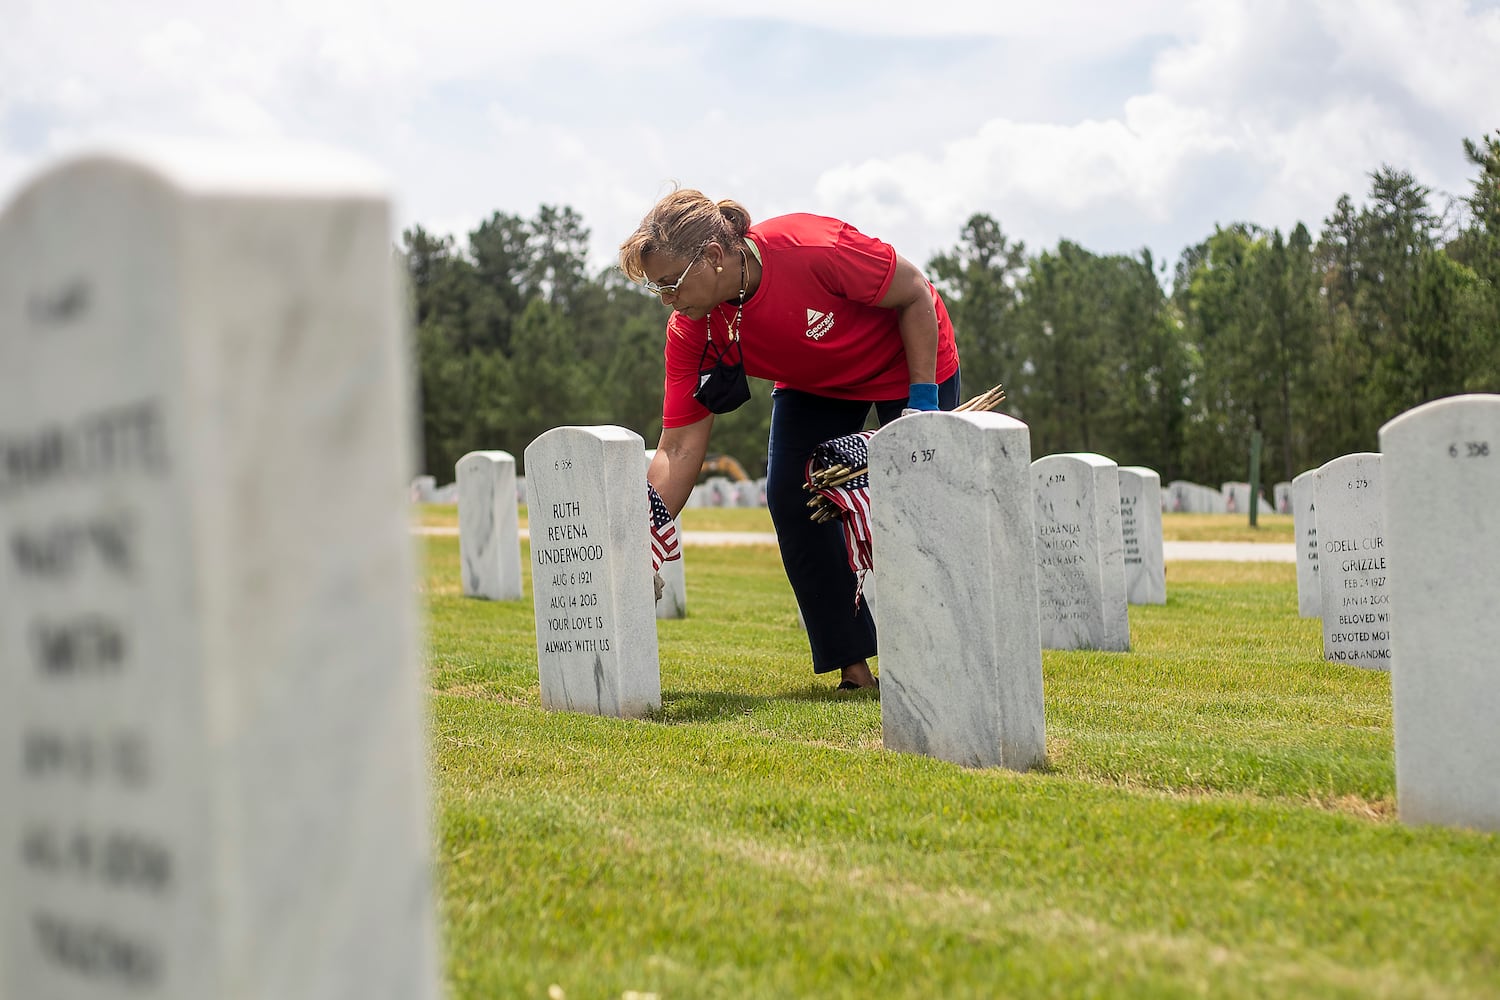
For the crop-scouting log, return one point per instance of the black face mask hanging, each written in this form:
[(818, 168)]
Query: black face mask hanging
[(722, 385)]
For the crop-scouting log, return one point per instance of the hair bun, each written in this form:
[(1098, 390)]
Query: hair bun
[(734, 213)]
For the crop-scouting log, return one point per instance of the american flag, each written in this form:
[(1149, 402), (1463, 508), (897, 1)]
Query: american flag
[(851, 498), (665, 544), (838, 476)]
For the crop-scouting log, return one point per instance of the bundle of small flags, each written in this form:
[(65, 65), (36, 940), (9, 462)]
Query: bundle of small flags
[(838, 476), (666, 545)]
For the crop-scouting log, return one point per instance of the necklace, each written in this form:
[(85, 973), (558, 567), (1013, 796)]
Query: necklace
[(733, 324)]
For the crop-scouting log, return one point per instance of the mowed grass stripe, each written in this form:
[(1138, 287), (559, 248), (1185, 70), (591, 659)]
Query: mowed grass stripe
[(1215, 819), (571, 842)]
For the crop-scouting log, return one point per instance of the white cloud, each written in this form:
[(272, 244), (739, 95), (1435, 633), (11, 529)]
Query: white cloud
[(1114, 125), (235, 114), (170, 46), (1263, 112), (1033, 176), (1444, 53), (1077, 25)]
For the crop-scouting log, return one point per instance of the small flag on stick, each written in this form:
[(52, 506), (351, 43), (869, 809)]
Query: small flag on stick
[(666, 545)]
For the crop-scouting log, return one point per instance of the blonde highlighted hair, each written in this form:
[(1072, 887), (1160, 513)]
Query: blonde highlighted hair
[(680, 225)]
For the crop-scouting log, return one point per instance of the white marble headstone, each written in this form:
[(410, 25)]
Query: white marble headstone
[(960, 651), (1354, 577), (718, 492), (423, 488), (489, 534), (746, 493), (1140, 531), (1282, 496), (591, 571), (1177, 497), (1305, 526), (1080, 553), (1441, 464), (1194, 498), (1236, 497), (212, 777)]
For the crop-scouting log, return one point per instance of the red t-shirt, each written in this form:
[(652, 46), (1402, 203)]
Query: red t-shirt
[(812, 324)]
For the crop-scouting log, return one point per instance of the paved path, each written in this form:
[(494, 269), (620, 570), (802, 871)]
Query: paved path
[(1231, 551), (1226, 551)]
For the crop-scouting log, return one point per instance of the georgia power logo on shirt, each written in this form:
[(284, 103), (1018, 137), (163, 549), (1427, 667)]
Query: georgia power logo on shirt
[(818, 323)]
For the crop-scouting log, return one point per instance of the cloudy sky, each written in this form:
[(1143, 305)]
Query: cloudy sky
[(1116, 125)]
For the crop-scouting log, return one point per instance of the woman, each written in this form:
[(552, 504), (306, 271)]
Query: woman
[(839, 321)]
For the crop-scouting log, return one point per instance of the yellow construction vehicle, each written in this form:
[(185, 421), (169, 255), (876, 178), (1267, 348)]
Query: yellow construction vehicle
[(722, 465)]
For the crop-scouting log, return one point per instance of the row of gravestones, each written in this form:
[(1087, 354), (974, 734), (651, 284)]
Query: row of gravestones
[(1183, 497), (1025, 556), (1180, 496), (1129, 532), (1415, 529), (1396, 552), (960, 645), (204, 688), (1059, 546), (424, 489), (721, 491), (489, 538), (716, 491)]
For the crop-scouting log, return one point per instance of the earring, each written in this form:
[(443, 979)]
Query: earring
[(718, 270)]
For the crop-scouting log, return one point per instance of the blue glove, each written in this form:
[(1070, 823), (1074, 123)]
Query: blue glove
[(922, 396)]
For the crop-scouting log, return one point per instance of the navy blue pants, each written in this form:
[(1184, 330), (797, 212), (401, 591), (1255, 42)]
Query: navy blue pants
[(816, 561)]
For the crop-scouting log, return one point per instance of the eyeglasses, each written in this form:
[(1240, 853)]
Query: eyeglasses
[(671, 289)]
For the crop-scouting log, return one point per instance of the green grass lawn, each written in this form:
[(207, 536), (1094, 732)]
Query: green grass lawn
[(1216, 819), (1226, 528)]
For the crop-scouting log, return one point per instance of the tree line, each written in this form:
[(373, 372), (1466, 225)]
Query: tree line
[(1312, 340)]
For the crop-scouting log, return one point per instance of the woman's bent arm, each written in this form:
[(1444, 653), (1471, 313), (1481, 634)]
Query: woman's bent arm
[(910, 295), (678, 460)]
